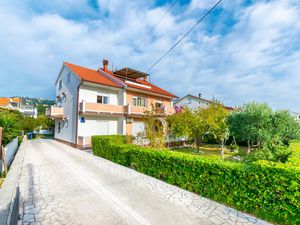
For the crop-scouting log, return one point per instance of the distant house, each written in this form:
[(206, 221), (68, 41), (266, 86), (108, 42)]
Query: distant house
[(194, 102), (17, 104), (295, 115), (103, 102)]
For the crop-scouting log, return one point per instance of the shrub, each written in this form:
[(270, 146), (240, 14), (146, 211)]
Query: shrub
[(272, 152), (266, 189)]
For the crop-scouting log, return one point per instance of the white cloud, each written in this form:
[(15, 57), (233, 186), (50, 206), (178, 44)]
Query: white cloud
[(256, 58)]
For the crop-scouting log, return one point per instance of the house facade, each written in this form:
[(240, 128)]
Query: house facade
[(194, 102), (17, 104), (103, 102)]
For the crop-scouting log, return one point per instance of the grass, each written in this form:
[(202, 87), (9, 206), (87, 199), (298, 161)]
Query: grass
[(212, 150)]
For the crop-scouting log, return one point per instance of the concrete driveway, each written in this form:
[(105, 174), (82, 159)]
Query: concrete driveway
[(63, 185)]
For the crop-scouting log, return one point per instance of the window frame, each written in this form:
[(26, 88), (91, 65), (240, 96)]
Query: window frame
[(139, 101), (103, 97)]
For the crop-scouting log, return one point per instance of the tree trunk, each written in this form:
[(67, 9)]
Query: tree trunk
[(222, 148), (249, 147), (234, 141)]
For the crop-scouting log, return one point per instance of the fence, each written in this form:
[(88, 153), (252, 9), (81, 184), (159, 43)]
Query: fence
[(10, 151)]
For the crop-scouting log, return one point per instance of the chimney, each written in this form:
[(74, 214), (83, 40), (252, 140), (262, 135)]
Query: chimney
[(199, 95), (105, 64)]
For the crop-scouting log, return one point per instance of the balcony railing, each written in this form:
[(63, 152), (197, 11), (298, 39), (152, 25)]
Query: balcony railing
[(97, 108), (89, 108), (55, 112)]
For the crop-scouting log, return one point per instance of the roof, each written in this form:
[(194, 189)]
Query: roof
[(131, 73), (86, 74), (16, 100), (153, 88), (106, 77), (203, 99), (4, 101)]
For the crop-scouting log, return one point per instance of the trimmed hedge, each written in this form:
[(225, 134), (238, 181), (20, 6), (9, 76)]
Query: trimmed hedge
[(270, 191)]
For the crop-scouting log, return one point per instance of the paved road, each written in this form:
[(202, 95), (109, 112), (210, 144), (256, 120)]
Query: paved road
[(63, 185)]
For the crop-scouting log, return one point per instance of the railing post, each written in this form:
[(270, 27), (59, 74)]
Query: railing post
[(129, 109), (83, 106)]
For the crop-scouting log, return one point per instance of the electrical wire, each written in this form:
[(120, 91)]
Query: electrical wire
[(157, 23), (187, 33)]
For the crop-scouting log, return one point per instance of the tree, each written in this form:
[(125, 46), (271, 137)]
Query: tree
[(28, 124), (180, 123), (155, 127), (11, 125), (217, 123), (251, 124), (41, 109), (43, 122), (284, 127)]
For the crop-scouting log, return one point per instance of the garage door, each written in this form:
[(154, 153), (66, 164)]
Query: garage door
[(99, 127), (137, 127)]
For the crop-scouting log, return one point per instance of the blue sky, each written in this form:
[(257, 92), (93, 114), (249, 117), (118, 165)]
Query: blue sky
[(244, 51)]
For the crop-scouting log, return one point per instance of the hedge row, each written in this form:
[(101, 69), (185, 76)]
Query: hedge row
[(270, 191)]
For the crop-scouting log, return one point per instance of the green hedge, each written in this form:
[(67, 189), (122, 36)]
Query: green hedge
[(270, 191)]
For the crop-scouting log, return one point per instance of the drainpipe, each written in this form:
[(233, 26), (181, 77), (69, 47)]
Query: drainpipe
[(77, 109)]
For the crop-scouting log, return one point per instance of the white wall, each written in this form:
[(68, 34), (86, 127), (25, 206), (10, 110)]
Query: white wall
[(98, 126), (10, 151), (69, 103), (191, 102), (89, 94)]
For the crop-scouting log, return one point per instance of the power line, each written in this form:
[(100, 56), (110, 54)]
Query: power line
[(158, 22), (187, 33)]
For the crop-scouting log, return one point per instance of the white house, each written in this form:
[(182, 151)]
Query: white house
[(194, 102), (103, 102)]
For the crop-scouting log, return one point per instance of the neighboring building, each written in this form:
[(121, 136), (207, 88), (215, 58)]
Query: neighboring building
[(295, 115), (194, 102), (101, 102), (16, 104)]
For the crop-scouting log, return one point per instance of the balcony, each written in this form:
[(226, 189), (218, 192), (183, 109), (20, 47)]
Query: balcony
[(55, 112), (94, 109), (139, 110), (89, 108)]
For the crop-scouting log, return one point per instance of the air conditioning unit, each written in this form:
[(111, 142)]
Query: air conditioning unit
[(129, 120)]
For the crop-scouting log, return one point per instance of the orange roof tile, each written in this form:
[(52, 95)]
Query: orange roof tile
[(94, 76), (90, 75), (154, 88), (4, 101), (16, 100)]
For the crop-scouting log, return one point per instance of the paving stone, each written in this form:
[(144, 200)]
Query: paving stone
[(61, 185)]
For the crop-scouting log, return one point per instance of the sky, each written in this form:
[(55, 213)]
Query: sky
[(244, 51)]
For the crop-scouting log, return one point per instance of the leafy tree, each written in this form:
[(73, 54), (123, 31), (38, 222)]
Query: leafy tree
[(217, 123), (11, 126), (28, 124), (251, 124), (180, 123), (285, 127), (43, 122), (155, 127), (41, 109)]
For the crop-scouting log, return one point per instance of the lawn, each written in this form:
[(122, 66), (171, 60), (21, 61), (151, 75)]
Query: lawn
[(212, 150)]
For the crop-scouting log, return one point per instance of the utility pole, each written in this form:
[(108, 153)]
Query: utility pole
[(2, 154)]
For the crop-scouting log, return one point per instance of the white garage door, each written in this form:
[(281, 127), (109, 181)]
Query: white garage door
[(99, 127), (137, 127)]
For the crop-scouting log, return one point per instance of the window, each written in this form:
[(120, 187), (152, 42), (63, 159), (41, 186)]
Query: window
[(69, 77), (58, 128), (58, 102), (102, 99), (59, 84), (138, 101), (158, 104)]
